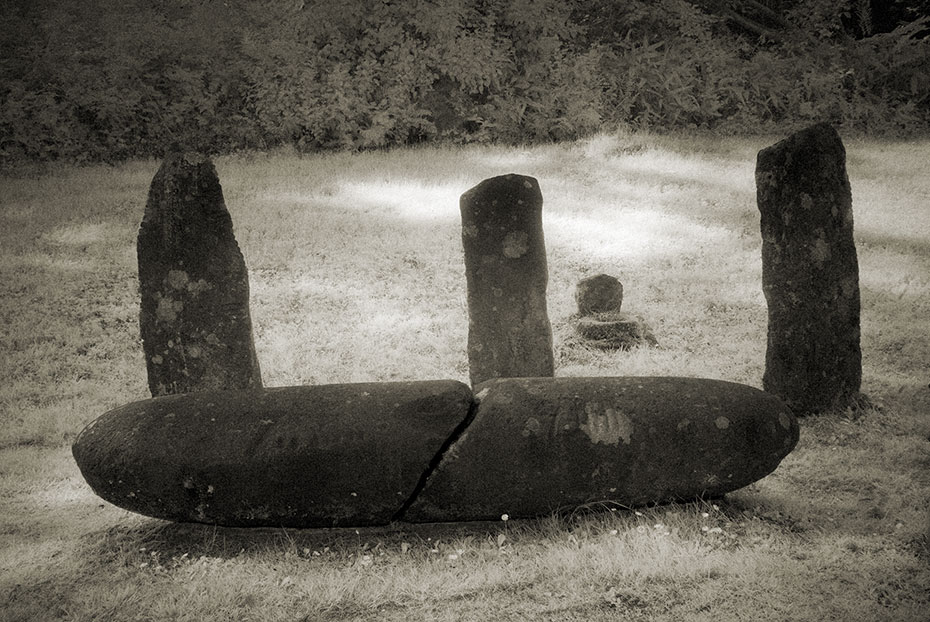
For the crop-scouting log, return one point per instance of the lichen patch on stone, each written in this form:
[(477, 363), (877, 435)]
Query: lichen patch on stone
[(168, 309), (198, 286), (516, 244), (784, 420), (820, 251), (608, 426), (177, 279), (531, 427)]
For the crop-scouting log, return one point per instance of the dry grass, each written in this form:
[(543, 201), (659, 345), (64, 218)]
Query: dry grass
[(356, 274)]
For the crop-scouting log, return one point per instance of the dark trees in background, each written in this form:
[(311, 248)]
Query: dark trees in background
[(854, 18), (106, 80)]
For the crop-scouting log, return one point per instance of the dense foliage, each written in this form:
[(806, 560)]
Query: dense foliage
[(101, 79)]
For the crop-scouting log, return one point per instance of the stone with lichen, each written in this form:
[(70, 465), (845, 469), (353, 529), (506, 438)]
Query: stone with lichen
[(810, 272), (600, 293), (537, 445), (509, 333), (310, 456), (194, 314)]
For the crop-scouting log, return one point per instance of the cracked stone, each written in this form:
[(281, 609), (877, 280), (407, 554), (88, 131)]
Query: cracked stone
[(285, 456), (631, 440), (373, 453)]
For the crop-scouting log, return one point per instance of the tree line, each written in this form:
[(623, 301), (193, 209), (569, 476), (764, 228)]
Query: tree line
[(90, 80)]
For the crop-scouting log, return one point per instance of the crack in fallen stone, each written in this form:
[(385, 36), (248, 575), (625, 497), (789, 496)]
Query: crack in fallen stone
[(437, 460)]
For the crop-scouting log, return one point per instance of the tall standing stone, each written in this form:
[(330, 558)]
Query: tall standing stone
[(810, 273), (509, 334), (194, 318)]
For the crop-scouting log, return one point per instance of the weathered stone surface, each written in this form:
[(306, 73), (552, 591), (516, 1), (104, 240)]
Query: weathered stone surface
[(810, 272), (194, 317), (505, 267), (600, 293), (541, 444), (298, 456), (615, 331)]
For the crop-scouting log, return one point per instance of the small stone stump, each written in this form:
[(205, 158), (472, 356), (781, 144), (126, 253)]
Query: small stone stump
[(600, 293), (194, 317), (810, 272), (509, 334), (601, 323)]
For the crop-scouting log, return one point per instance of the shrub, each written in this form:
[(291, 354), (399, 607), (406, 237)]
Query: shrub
[(105, 80)]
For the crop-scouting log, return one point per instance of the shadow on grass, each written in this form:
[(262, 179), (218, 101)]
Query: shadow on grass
[(193, 540)]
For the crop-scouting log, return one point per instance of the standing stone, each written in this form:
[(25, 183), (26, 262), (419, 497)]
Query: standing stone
[(509, 334), (810, 273), (600, 293), (601, 323), (194, 318)]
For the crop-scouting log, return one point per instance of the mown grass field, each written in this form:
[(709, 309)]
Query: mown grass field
[(357, 275)]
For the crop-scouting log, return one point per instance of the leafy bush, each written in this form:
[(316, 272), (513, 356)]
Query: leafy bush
[(106, 80)]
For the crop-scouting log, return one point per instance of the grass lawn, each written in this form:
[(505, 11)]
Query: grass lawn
[(356, 273)]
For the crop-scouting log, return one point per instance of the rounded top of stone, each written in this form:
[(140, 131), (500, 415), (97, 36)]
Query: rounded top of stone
[(600, 293), (800, 149), (187, 157), (510, 180)]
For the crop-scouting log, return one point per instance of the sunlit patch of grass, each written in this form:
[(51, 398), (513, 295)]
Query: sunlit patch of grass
[(356, 274)]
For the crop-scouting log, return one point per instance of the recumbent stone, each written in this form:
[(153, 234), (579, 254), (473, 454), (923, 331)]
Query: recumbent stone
[(537, 445), (316, 456), (372, 453)]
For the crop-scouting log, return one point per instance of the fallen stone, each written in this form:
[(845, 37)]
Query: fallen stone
[(506, 275), (537, 445), (615, 331), (810, 273), (600, 293), (194, 314), (320, 456)]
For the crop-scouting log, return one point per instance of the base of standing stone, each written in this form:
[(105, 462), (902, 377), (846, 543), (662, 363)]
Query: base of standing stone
[(855, 404), (615, 331)]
